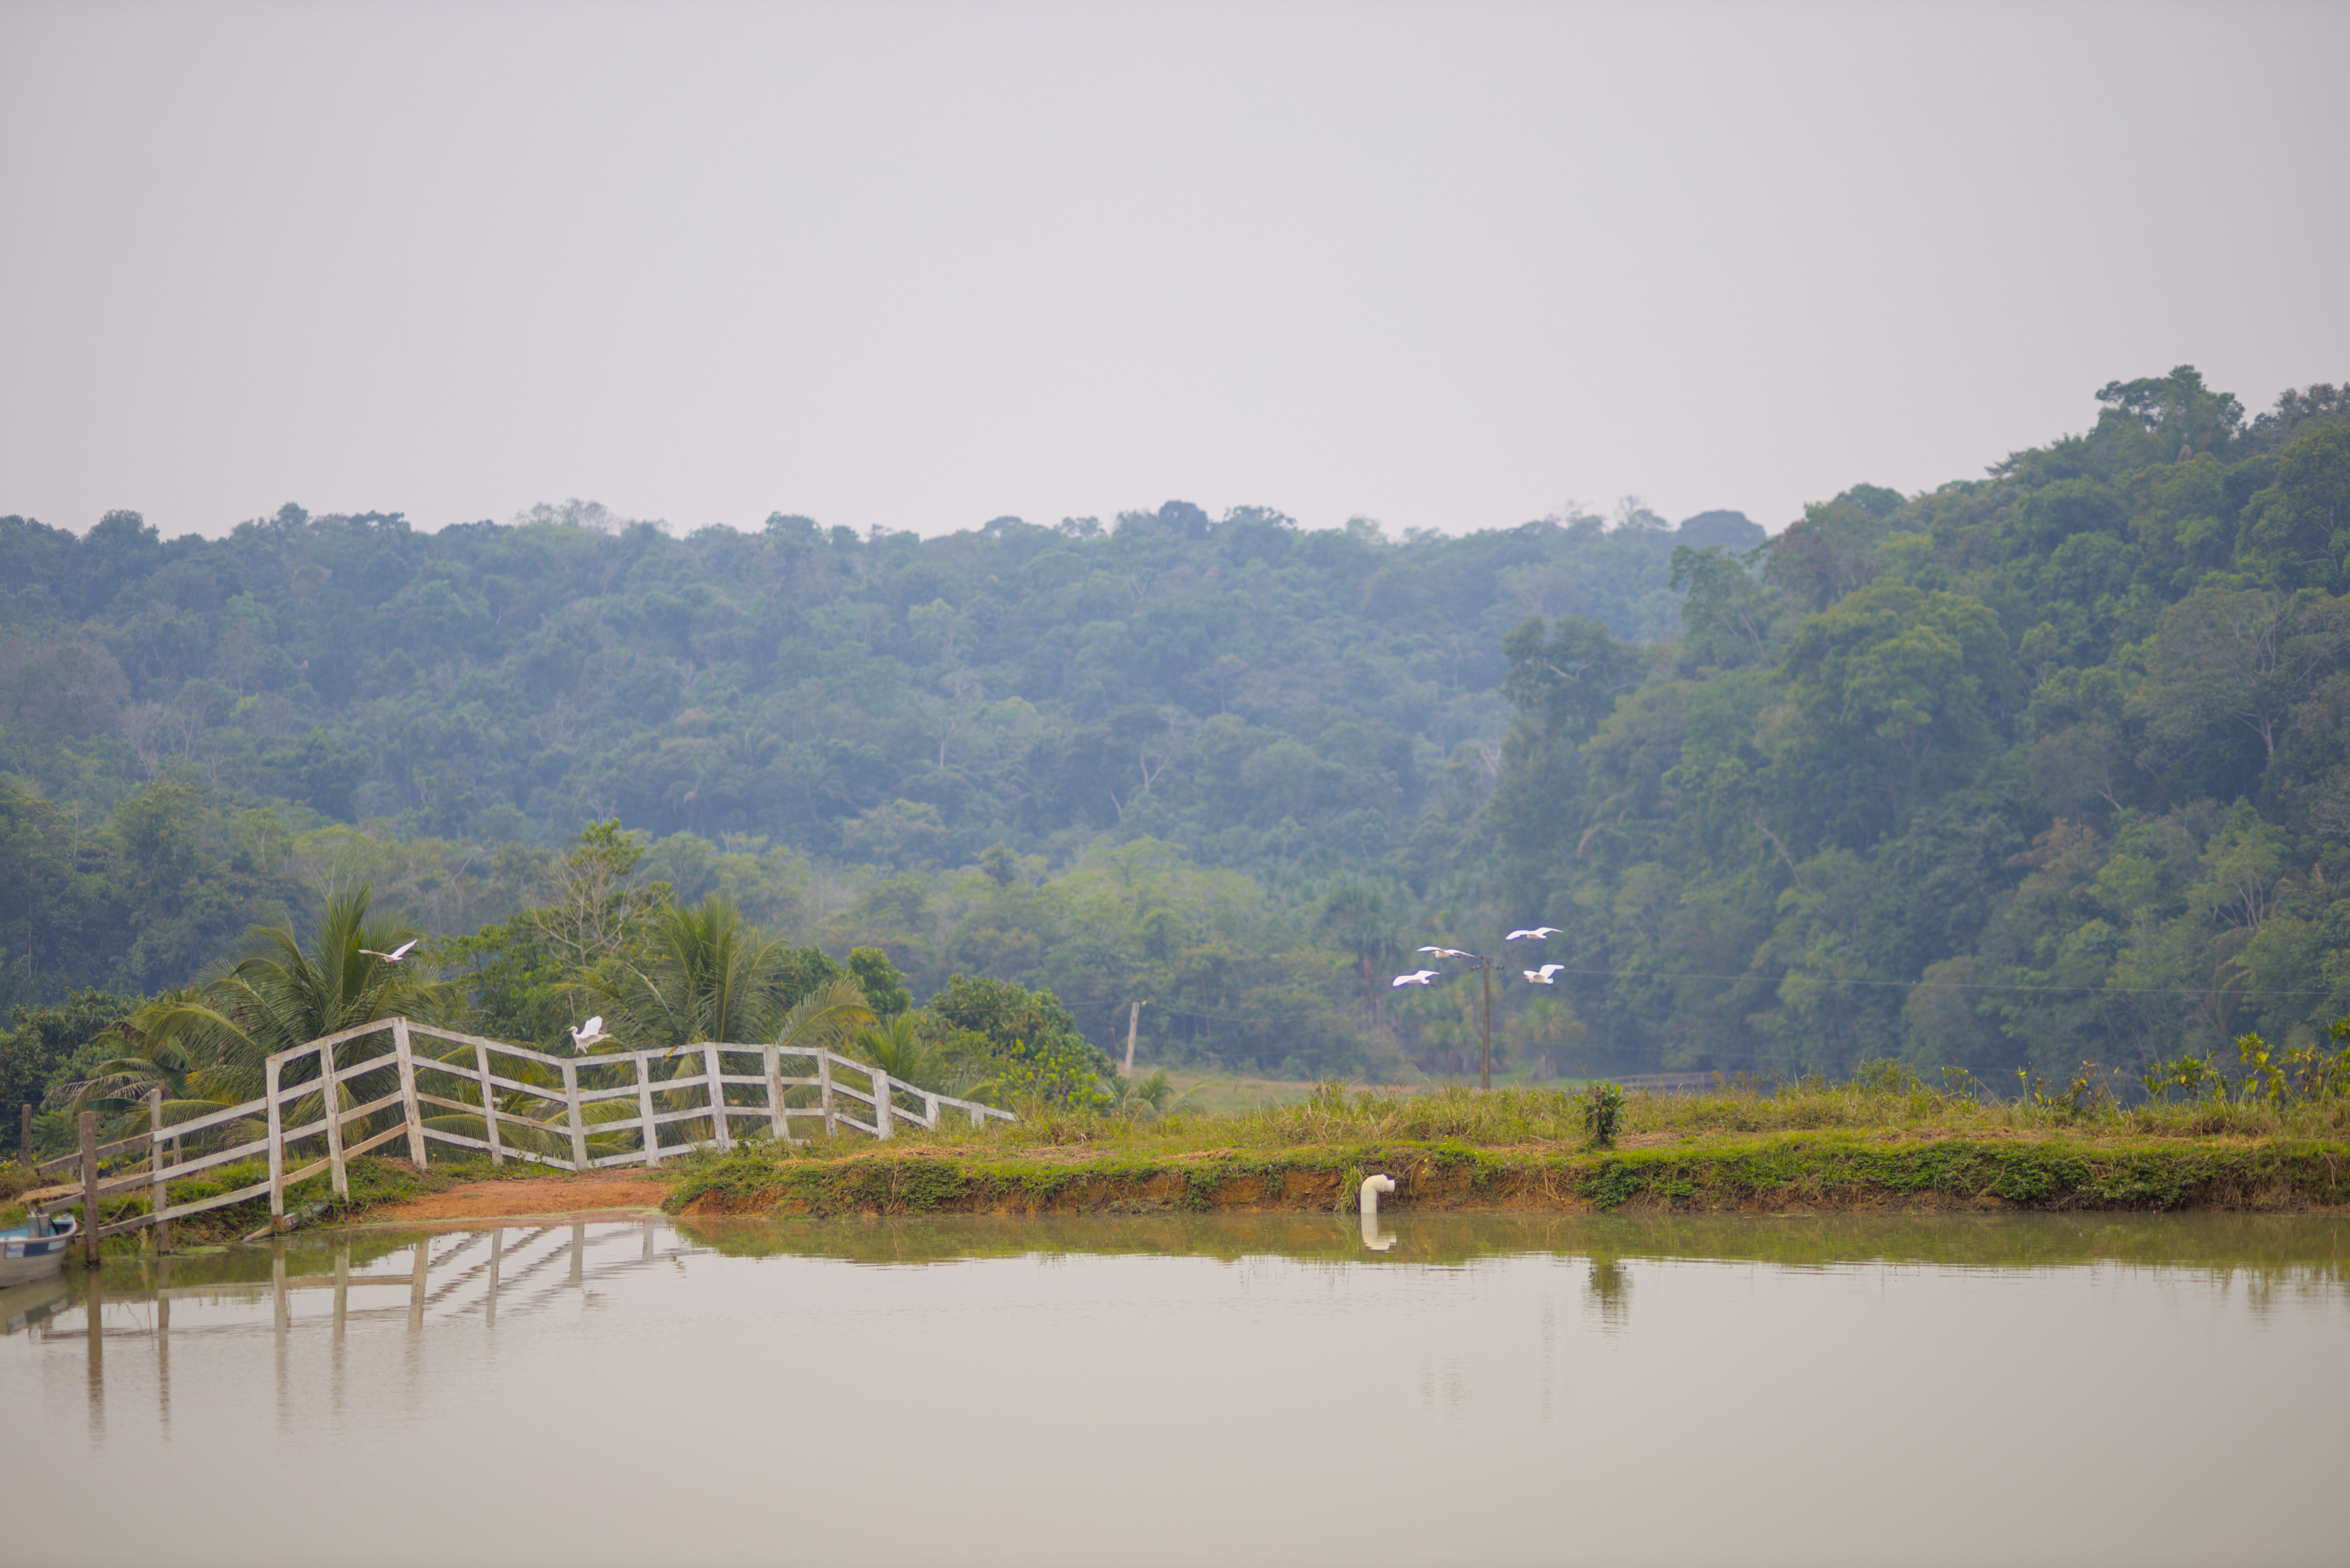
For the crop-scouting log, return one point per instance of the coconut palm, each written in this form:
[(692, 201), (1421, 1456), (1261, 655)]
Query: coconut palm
[(209, 1044), (703, 975), (700, 974), (895, 1046)]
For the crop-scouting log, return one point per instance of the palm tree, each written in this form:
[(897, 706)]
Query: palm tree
[(895, 1046), (703, 975), (700, 974), (208, 1045)]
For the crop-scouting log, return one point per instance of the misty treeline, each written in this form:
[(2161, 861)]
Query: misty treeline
[(1131, 763), (2048, 766)]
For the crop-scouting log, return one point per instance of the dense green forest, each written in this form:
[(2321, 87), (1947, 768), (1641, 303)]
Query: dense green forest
[(2045, 767)]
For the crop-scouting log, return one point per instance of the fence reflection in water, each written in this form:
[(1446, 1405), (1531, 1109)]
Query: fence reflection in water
[(428, 1278)]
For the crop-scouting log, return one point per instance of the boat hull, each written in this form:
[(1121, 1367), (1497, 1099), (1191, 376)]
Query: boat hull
[(25, 1257)]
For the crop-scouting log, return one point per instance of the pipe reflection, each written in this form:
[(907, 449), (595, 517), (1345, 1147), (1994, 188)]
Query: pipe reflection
[(1377, 1237)]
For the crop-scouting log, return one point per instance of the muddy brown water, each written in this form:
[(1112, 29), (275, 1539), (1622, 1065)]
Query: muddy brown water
[(1213, 1390)]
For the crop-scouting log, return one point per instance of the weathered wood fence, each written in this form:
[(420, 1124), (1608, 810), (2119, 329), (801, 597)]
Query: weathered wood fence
[(511, 1102)]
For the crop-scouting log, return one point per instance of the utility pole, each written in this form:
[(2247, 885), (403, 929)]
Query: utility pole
[(1133, 1023), (1485, 1072)]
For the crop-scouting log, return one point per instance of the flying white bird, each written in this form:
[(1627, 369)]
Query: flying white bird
[(585, 1035), (394, 956), (1546, 975), (1448, 953), (1538, 933), (1421, 978)]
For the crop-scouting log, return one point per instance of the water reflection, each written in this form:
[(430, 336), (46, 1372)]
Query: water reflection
[(1609, 1389)]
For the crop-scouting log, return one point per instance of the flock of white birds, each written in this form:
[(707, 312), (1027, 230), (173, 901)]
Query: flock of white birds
[(586, 1035), (1546, 975)]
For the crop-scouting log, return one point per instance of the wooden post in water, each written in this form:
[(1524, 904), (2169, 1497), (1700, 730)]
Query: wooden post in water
[(489, 1104), (408, 1104), (331, 1104), (571, 1114), (880, 1103), (645, 1109), (277, 1148), (162, 1201), (775, 1122), (824, 1087), (89, 1196), (725, 1134)]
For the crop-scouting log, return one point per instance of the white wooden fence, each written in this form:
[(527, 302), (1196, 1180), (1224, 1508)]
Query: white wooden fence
[(566, 1112)]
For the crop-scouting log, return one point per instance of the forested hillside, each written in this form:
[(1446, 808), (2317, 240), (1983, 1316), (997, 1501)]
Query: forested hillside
[(1234, 716), (2048, 766)]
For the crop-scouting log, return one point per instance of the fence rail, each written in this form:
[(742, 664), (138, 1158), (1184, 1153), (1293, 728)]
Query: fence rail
[(550, 1110)]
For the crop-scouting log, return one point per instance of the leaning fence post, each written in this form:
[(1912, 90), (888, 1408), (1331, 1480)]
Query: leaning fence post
[(717, 1100), (489, 1104), (407, 1101), (161, 1202), (880, 1102), (331, 1104), (276, 1149), (823, 1086), (571, 1114), (645, 1109), (89, 1192)]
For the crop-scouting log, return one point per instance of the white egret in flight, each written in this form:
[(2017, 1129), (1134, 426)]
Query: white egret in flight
[(1546, 975), (585, 1035), (394, 956), (1421, 978), (1448, 953), (1538, 933)]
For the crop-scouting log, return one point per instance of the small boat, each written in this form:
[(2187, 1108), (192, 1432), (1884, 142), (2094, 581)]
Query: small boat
[(33, 1250)]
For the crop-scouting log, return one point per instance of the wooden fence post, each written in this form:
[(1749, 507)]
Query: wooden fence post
[(775, 1122), (645, 1109), (162, 1200), (331, 1103), (25, 1135), (717, 1100), (571, 1114), (407, 1101), (276, 1149), (824, 1086), (880, 1102), (489, 1104), (89, 1194)]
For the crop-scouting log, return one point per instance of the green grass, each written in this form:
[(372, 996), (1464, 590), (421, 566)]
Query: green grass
[(1885, 1140)]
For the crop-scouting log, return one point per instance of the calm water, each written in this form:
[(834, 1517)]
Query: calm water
[(1218, 1390)]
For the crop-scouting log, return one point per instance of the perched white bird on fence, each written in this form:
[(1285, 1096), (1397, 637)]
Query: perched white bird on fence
[(1448, 953), (1538, 933), (585, 1035), (394, 956), (1546, 975), (1421, 978)]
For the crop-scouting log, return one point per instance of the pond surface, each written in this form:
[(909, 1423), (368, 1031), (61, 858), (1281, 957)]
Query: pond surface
[(1215, 1390)]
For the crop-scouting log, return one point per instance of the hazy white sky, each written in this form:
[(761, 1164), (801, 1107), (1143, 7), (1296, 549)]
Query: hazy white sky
[(919, 266)]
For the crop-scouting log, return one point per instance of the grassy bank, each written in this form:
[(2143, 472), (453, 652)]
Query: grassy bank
[(1883, 1143), (1890, 1143)]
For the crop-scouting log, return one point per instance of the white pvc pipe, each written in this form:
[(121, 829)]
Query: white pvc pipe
[(1375, 1239)]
